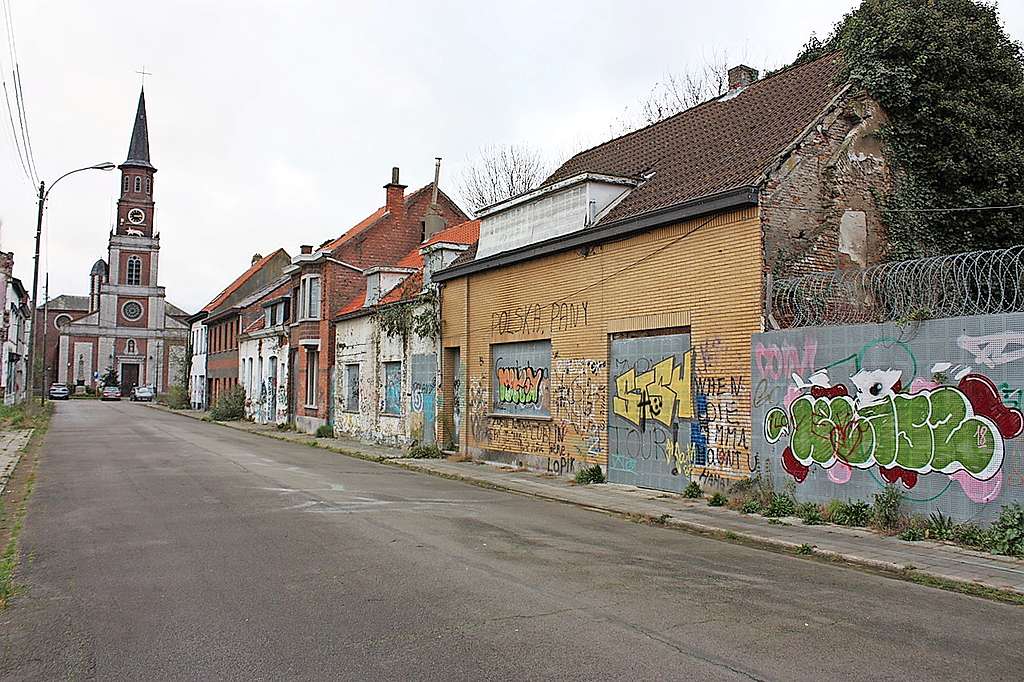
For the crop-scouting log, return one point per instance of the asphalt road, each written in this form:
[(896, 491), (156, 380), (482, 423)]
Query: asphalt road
[(158, 547)]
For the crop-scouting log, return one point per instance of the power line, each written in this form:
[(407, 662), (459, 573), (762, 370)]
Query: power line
[(23, 142)]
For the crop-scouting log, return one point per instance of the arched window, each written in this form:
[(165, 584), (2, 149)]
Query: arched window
[(138, 183), (134, 271), (149, 186), (129, 347), (124, 184)]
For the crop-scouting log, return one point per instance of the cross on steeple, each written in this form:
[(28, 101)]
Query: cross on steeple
[(143, 74)]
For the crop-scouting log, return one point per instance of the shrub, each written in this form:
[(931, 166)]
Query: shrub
[(325, 431), (718, 500), (969, 535), (940, 527), (177, 398), (912, 534), (591, 474), (1006, 535), (751, 506), (887, 511), (780, 504), (852, 513), (833, 510), (421, 451), (810, 513), (230, 406), (693, 490)]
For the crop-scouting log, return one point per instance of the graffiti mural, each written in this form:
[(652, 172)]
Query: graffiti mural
[(661, 393), (520, 376), (887, 407), (520, 385)]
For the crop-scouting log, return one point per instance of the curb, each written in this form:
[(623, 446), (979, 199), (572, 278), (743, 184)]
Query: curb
[(893, 570)]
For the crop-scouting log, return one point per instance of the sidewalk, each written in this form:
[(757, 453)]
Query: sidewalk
[(914, 560)]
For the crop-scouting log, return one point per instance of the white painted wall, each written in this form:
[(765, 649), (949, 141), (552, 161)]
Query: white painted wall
[(266, 399)]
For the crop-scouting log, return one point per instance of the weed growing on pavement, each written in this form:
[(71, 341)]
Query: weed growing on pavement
[(230, 406), (940, 527), (805, 549), (591, 474), (912, 534), (693, 490), (325, 431), (421, 451), (751, 506), (781, 504), (1006, 535), (852, 513), (809, 513), (718, 500), (969, 535), (887, 511)]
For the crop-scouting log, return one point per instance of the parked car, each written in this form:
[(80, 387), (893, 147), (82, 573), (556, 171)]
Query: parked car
[(144, 394), (111, 393), (59, 392)]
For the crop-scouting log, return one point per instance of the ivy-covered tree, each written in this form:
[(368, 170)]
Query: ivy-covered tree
[(952, 81)]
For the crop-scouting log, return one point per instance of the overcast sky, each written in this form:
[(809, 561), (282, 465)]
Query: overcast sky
[(275, 124)]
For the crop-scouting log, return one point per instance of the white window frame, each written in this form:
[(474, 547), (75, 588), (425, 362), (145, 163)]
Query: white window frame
[(307, 311), (128, 271), (138, 183)]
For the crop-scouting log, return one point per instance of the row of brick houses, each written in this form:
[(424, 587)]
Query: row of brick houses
[(602, 318)]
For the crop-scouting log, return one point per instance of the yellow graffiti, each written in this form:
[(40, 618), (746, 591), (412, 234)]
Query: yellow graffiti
[(662, 393)]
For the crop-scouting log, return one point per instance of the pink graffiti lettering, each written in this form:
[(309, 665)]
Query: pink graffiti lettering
[(775, 362)]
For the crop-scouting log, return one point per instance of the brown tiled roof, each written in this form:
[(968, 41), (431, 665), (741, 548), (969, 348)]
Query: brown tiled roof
[(714, 147), (235, 285)]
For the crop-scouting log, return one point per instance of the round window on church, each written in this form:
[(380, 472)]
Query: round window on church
[(61, 320), (132, 310)]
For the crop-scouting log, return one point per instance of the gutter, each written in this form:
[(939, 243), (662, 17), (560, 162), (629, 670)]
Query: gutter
[(619, 229)]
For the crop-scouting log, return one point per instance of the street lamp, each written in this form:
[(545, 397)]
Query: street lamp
[(44, 193)]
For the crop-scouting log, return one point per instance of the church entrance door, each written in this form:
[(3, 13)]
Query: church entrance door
[(129, 377)]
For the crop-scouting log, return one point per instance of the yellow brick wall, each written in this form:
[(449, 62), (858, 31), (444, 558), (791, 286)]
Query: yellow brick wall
[(705, 272)]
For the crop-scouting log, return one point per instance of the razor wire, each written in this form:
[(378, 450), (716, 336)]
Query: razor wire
[(971, 283)]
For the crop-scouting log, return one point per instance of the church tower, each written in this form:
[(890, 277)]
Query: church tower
[(135, 213)]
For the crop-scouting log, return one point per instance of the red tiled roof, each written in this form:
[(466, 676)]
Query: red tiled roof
[(726, 143), (256, 325), (466, 233), (242, 279)]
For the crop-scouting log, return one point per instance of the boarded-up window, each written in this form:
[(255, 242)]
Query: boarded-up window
[(392, 388), (521, 374)]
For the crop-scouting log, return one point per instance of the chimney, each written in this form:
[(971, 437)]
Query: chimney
[(306, 249), (741, 76), (395, 203), (433, 222), (256, 258)]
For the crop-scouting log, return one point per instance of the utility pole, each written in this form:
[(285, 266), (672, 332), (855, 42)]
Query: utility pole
[(46, 316), (35, 293)]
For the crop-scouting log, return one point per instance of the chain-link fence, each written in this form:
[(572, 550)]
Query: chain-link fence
[(973, 283)]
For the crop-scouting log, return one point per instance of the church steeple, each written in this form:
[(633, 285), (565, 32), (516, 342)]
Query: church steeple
[(135, 207), (138, 149)]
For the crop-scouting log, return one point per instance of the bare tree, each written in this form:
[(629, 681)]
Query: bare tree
[(502, 171), (677, 92)]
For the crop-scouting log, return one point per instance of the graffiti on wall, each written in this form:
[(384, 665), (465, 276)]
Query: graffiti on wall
[(579, 397), (661, 393), (876, 414), (521, 385), (537, 318)]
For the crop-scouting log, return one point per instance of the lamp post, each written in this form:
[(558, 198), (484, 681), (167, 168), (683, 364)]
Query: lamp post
[(44, 193)]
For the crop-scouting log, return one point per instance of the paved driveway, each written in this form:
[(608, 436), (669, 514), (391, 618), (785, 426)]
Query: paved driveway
[(158, 547)]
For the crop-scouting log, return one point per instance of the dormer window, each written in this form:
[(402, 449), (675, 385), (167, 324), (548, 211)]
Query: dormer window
[(138, 183), (134, 271)]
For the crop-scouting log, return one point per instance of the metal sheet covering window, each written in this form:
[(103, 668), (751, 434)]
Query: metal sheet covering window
[(520, 376), (392, 388)]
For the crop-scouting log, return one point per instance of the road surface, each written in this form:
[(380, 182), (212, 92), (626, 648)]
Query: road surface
[(159, 547)]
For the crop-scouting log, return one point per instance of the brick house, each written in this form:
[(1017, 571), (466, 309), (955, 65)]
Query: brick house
[(386, 383), (216, 327), (326, 278), (606, 317)]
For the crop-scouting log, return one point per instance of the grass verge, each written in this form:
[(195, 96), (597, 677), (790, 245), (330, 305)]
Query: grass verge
[(14, 501)]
